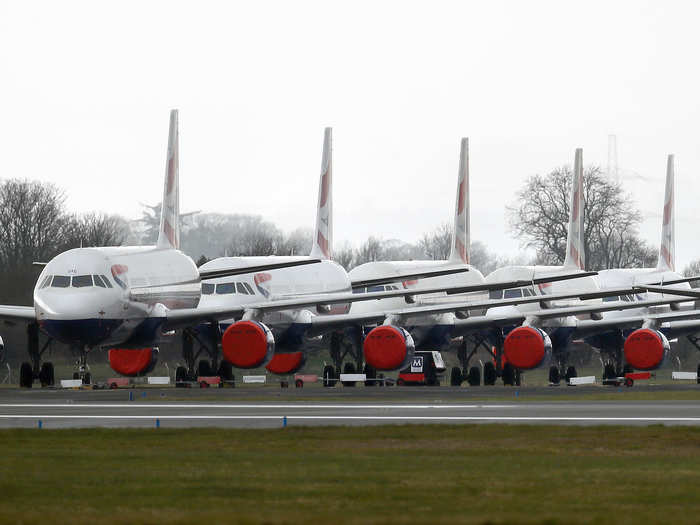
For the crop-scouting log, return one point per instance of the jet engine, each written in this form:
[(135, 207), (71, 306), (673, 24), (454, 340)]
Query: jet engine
[(388, 347), (286, 362), (527, 347), (646, 349), (131, 362), (248, 344)]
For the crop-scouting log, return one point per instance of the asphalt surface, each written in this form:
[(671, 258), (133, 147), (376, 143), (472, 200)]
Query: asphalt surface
[(269, 408)]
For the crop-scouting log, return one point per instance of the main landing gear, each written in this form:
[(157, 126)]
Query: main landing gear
[(205, 348), (343, 345), (28, 372), (492, 369)]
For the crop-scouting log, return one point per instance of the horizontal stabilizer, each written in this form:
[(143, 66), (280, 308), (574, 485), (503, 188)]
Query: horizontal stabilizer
[(227, 272), (407, 277)]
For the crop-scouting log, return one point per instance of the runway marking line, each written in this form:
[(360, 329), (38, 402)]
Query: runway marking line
[(365, 418), (289, 406)]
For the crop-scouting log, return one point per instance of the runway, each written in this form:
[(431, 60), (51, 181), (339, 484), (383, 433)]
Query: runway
[(167, 414)]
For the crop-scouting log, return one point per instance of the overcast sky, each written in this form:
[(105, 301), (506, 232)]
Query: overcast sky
[(86, 88)]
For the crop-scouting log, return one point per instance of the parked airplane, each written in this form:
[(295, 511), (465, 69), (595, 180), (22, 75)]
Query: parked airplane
[(118, 297)]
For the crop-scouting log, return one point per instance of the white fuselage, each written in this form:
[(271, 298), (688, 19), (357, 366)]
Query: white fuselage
[(225, 292), (113, 295)]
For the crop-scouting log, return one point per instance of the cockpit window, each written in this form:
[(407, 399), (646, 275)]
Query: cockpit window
[(207, 288), (225, 288), (513, 293), (81, 281), (98, 281), (60, 281), (106, 281), (46, 281), (241, 289), (496, 294), (249, 288), (359, 290), (611, 298), (379, 288)]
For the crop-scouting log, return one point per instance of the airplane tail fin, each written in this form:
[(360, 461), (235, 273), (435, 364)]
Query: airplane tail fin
[(323, 236), (667, 250), (169, 233), (459, 251), (575, 254)]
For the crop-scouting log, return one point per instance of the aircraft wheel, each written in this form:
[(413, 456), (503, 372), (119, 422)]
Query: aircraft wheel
[(609, 371), (76, 375), (518, 377), (204, 368), (570, 372), (26, 376), (87, 378), (508, 375), (698, 374), (349, 368), (370, 374), (180, 374), (400, 382), (456, 376), (474, 377), (299, 383), (489, 374), (328, 377), (226, 371), (554, 375), (50, 373), (46, 377)]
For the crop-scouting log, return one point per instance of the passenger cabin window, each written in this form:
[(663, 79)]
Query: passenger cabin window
[(207, 288), (60, 281), (241, 289), (513, 293), (81, 281), (98, 281), (496, 294), (225, 288)]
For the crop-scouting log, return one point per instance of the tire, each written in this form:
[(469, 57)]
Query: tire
[(76, 375), (26, 375), (698, 374), (508, 375), (113, 386), (518, 377), (609, 371), (87, 378), (629, 382), (225, 371), (474, 377), (44, 375), (328, 377), (299, 383), (370, 373), (349, 368), (204, 368), (554, 375), (203, 384), (489, 374), (180, 374), (456, 376), (570, 372), (51, 374)]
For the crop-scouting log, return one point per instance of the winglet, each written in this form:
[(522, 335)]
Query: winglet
[(169, 233), (575, 255), (667, 250), (323, 236), (460, 232)]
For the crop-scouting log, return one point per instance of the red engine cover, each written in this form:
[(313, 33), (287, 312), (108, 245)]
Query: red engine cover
[(286, 363), (387, 347), (525, 348), (645, 349), (247, 344), (131, 362)]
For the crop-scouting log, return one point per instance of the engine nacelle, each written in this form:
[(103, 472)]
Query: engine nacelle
[(286, 362), (248, 344), (388, 347), (527, 347), (132, 362), (646, 349)]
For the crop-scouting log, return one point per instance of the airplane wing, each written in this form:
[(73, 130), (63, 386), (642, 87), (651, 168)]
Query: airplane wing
[(692, 292), (17, 314), (503, 285), (407, 277), (321, 324), (679, 323), (227, 272)]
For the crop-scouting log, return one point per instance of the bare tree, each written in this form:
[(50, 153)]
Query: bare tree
[(345, 256), (371, 250), (298, 242), (436, 244), (94, 229), (540, 220)]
